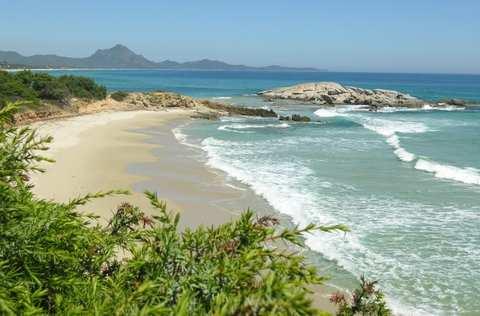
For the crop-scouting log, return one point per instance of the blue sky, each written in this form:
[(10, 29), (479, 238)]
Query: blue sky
[(369, 35)]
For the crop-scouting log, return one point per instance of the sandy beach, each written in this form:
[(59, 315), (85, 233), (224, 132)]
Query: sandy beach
[(93, 153)]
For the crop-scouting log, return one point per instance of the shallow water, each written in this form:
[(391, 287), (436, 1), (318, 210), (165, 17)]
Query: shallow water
[(407, 183)]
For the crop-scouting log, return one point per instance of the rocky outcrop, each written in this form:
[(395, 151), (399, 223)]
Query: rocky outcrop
[(160, 99), (228, 109), (330, 93), (152, 101), (135, 101), (454, 102), (206, 115), (295, 118)]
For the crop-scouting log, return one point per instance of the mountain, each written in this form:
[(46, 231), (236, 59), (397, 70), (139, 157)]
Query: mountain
[(117, 57), (121, 56)]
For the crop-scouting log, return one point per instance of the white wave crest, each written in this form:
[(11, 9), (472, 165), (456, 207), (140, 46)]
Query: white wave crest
[(251, 126), (404, 155), (389, 129), (221, 98), (451, 108), (183, 138), (465, 175), (326, 113), (394, 141)]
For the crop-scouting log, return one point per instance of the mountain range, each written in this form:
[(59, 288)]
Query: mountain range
[(121, 56)]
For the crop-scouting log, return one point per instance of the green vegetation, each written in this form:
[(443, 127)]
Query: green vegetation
[(35, 87), (365, 300), (56, 260), (119, 96)]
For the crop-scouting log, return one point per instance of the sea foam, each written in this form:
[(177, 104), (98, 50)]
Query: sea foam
[(465, 175), (389, 129), (326, 113), (291, 188), (182, 138)]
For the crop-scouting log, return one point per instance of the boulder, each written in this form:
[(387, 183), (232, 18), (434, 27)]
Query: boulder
[(300, 118)]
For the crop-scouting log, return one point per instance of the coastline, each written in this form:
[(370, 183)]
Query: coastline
[(137, 150)]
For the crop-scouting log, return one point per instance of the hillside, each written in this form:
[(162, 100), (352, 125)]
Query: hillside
[(121, 56)]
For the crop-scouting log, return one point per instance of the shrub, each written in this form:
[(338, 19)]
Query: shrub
[(119, 96), (12, 88), (33, 87), (85, 88), (365, 300)]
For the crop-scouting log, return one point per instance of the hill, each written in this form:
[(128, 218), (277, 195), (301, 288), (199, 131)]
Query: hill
[(121, 56)]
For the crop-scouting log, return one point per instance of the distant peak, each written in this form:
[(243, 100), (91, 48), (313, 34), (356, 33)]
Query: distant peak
[(212, 61), (120, 47)]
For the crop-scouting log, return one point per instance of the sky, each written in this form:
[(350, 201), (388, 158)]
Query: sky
[(427, 36)]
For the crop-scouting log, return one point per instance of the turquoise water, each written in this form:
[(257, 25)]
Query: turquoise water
[(238, 83), (407, 183)]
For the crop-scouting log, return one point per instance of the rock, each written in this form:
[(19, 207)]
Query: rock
[(206, 115), (295, 118), (158, 100), (300, 118), (332, 93), (456, 102), (238, 110)]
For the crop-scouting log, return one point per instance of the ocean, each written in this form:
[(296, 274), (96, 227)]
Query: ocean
[(406, 182)]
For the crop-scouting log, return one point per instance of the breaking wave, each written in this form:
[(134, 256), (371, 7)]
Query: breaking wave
[(390, 130), (245, 127), (326, 113), (465, 175)]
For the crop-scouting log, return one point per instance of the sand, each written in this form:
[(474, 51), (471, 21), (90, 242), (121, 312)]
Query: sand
[(138, 151), (92, 153)]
